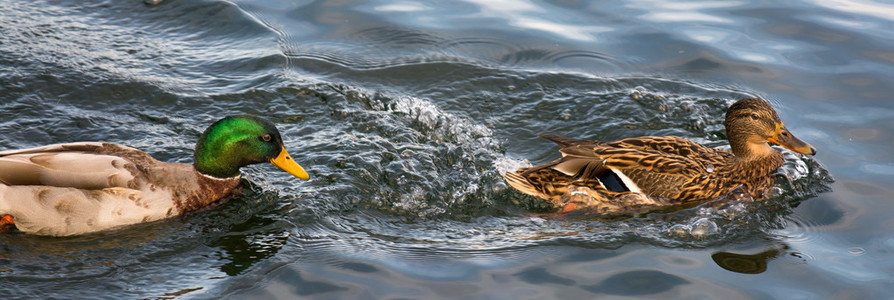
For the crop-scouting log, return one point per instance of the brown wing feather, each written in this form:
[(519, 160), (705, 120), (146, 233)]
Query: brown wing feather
[(548, 183), (660, 166), (664, 144), (656, 154), (676, 146), (669, 170)]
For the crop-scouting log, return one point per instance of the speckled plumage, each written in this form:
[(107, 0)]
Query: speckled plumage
[(77, 188), (664, 171)]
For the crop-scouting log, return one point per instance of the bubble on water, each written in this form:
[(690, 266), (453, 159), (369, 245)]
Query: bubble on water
[(459, 195), (679, 231), (773, 192), (505, 164), (637, 93), (707, 211), (793, 167), (733, 211), (703, 228), (856, 251), (709, 168)]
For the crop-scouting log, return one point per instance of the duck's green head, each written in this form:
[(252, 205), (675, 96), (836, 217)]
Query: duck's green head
[(237, 141)]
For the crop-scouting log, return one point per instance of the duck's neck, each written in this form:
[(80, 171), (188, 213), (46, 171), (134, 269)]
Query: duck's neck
[(756, 164), (217, 171), (749, 146), (215, 161), (204, 191), (753, 155)]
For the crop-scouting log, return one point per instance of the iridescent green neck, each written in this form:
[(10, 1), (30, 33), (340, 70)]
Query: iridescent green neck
[(234, 142)]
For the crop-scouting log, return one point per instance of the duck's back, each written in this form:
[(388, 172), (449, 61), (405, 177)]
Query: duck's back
[(78, 165), (662, 167), (658, 167), (77, 188)]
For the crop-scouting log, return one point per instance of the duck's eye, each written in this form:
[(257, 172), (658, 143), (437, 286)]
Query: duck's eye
[(755, 116), (266, 137)]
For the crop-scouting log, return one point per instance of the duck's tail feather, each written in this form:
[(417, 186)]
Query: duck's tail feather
[(519, 182), (563, 141)]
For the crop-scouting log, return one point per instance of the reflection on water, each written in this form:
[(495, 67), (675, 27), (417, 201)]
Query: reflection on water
[(247, 245), (745, 263), (637, 283)]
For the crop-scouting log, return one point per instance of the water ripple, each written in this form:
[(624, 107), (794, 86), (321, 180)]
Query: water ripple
[(182, 54), (404, 119), (420, 174)]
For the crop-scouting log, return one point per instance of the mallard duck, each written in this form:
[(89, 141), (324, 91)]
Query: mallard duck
[(77, 188), (645, 173)]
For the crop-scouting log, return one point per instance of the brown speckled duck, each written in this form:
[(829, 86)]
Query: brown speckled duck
[(647, 173), (77, 188)]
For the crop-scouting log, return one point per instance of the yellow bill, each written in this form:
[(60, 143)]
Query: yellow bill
[(285, 162)]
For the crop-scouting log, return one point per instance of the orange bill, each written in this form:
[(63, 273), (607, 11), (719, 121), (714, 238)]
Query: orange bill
[(285, 162), (785, 138)]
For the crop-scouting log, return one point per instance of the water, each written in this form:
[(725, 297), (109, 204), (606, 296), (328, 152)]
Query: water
[(405, 112)]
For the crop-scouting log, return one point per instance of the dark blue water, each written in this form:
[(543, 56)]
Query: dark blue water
[(405, 112)]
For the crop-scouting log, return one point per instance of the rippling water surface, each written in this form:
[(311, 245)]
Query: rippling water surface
[(405, 112)]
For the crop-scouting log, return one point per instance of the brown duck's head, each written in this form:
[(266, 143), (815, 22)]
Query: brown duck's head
[(751, 123)]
